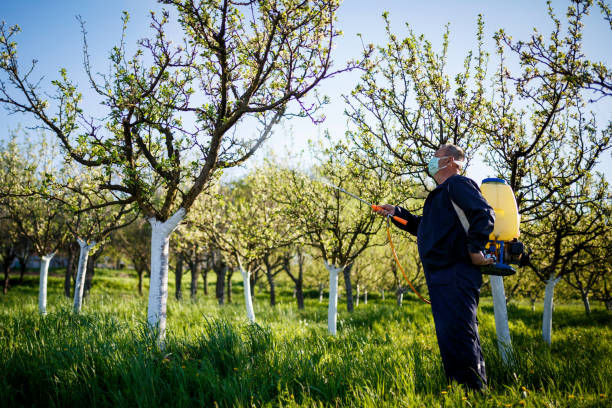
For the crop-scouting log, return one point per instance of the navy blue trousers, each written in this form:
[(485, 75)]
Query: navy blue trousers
[(454, 293)]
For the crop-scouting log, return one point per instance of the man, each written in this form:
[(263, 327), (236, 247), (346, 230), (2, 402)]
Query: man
[(451, 259)]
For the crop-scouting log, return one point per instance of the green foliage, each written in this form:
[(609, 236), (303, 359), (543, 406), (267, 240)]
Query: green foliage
[(160, 142), (337, 225), (544, 141), (407, 104), (29, 201), (534, 122)]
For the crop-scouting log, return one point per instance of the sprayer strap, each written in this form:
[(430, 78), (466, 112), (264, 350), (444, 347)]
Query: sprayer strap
[(460, 213), (462, 217)]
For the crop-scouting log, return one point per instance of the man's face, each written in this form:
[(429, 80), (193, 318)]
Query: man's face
[(446, 159)]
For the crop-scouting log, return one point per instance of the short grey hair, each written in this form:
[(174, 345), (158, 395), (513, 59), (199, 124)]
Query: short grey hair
[(454, 151)]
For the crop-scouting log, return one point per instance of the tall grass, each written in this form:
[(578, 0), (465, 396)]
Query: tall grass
[(383, 356)]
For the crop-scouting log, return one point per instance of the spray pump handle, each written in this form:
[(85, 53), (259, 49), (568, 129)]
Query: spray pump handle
[(395, 217)]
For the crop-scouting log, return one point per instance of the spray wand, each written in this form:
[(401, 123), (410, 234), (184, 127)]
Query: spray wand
[(373, 206), (396, 218)]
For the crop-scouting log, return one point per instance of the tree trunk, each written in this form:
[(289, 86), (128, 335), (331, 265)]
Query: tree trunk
[(299, 284), (252, 283), (272, 288), (532, 299), (365, 297), (178, 278), (205, 279), (608, 304), (248, 301), (69, 272), (382, 293), (504, 342), (195, 272), (8, 259), (23, 266), (23, 255), (228, 285), (332, 309), (220, 271), (42, 288), (299, 294), (357, 298), (400, 296), (320, 293), (91, 270), (549, 292), (79, 282), (158, 288), (347, 284), (7, 269), (140, 273), (587, 304)]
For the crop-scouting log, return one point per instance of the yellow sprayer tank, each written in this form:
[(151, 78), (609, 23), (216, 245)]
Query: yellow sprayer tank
[(499, 195)]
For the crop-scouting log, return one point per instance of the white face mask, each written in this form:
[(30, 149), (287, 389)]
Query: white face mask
[(434, 163)]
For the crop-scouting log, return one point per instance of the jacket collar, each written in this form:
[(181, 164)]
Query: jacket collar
[(443, 185)]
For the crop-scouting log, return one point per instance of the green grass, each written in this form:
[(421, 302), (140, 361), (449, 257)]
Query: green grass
[(383, 356)]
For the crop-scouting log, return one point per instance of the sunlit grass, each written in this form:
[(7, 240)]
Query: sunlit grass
[(383, 356)]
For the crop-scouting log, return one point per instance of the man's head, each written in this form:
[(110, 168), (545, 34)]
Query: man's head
[(450, 159)]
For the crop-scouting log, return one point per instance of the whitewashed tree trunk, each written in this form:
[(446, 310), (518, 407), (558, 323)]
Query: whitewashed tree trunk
[(332, 309), (80, 278), (248, 301), (365, 297), (383, 294), (400, 298), (42, 288), (320, 293), (158, 289), (504, 342), (587, 303), (357, 301), (548, 309)]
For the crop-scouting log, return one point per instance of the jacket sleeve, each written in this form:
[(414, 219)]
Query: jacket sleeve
[(466, 194), (413, 220)]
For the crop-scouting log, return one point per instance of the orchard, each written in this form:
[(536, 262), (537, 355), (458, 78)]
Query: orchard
[(187, 215)]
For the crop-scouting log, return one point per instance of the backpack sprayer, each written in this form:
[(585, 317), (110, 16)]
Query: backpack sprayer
[(503, 246)]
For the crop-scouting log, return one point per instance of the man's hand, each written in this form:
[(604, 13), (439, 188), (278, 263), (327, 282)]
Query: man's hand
[(386, 210), (479, 259)]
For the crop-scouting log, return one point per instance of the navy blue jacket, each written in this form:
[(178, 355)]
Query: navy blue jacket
[(441, 238)]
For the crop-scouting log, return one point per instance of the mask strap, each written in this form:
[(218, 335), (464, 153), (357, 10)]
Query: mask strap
[(459, 163)]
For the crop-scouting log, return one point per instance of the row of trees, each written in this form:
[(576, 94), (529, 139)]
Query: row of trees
[(160, 145), (258, 225), (275, 220)]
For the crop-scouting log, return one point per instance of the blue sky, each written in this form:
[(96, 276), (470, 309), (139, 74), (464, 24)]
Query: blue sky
[(51, 34)]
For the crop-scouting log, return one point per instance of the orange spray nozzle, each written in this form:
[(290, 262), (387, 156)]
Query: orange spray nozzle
[(395, 217)]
